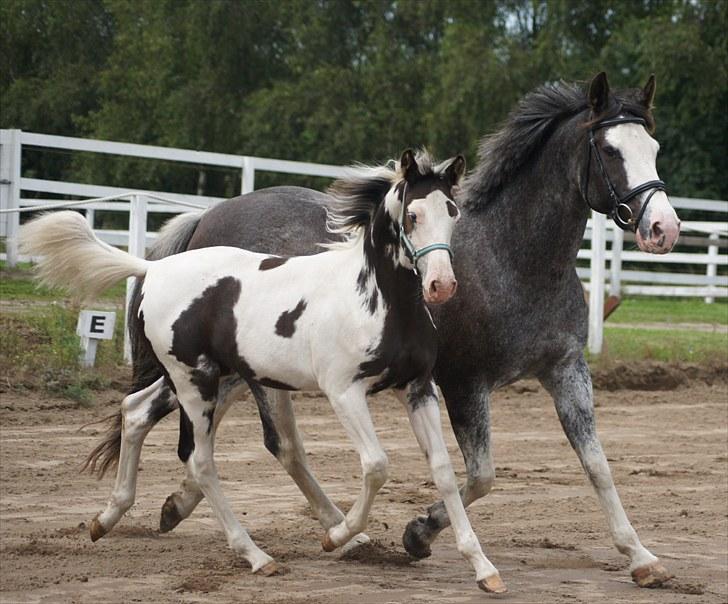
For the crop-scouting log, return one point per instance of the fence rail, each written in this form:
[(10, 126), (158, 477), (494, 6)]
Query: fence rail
[(695, 272)]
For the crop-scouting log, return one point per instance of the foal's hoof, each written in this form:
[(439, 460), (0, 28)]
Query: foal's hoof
[(327, 544), (170, 516), (652, 575), (96, 529), (493, 584), (355, 542), (413, 538), (269, 569)]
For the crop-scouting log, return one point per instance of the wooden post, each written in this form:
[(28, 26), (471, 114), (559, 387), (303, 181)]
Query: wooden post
[(137, 247), (596, 289), (615, 266), (248, 182), (10, 162), (712, 269)]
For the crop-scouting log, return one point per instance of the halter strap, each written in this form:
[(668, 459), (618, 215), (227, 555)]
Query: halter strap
[(413, 253), (620, 213)]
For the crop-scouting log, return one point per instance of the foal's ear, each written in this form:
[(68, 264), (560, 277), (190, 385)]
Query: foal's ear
[(599, 93), (648, 92), (408, 165), (455, 171)]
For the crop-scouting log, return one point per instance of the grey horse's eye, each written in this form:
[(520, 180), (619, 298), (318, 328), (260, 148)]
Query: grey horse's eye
[(412, 216)]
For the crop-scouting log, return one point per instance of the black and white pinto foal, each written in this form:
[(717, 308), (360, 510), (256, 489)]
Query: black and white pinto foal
[(350, 321)]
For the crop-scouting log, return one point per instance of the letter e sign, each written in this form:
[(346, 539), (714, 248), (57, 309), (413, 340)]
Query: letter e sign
[(96, 324)]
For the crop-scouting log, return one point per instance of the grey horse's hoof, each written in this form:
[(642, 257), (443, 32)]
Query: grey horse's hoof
[(270, 569), (652, 575), (415, 539), (170, 516)]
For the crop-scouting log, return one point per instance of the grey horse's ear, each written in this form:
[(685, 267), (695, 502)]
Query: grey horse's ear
[(648, 92), (599, 93), (408, 165), (455, 171)]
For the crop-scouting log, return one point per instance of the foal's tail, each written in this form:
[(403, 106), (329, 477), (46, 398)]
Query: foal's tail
[(73, 258)]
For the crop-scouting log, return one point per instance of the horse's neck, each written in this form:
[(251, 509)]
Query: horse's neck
[(536, 221), (398, 284)]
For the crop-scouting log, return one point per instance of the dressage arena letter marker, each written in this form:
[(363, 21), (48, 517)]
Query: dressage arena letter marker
[(94, 325)]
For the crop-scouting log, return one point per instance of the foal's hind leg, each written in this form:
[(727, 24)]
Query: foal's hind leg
[(138, 418), (570, 385), (180, 504), (469, 410)]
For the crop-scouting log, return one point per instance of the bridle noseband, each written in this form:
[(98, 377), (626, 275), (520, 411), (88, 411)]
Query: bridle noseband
[(413, 253), (621, 213)]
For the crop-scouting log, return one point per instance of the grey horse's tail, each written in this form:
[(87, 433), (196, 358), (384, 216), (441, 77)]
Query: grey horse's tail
[(173, 239)]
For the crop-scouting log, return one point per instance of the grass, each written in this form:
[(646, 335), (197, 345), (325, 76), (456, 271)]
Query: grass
[(670, 310), (17, 284), (664, 345)]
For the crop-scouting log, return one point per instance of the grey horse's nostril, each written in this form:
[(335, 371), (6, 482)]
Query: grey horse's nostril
[(656, 230), (434, 286)]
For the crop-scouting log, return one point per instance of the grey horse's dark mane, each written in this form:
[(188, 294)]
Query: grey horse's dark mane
[(358, 195), (502, 154)]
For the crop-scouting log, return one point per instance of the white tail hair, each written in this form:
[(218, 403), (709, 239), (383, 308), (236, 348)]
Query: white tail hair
[(73, 258)]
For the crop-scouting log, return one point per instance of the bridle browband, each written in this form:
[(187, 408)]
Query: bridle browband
[(621, 213), (413, 253)]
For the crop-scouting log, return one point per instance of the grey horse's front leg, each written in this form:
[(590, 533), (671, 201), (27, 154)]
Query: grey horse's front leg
[(571, 387), (469, 411)]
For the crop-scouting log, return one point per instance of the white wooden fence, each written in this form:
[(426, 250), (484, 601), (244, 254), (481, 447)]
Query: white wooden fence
[(698, 275)]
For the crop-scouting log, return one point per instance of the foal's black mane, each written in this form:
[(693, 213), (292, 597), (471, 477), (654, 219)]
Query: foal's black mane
[(358, 196), (502, 154)]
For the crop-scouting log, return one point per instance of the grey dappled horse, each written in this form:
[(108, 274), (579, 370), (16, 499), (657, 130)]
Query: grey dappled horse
[(520, 308)]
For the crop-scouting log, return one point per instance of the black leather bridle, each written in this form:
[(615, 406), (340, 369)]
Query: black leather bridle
[(620, 212)]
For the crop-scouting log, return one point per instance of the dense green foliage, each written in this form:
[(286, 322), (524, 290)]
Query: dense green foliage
[(338, 81)]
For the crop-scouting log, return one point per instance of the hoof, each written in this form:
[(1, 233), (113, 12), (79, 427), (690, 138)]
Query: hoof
[(170, 516), (327, 544), (652, 575), (269, 569), (493, 584), (355, 542), (413, 539), (96, 529)]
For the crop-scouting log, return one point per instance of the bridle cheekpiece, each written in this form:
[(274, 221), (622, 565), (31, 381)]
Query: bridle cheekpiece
[(620, 212)]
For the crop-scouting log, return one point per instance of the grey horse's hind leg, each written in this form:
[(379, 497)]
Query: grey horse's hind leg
[(180, 504), (283, 440), (469, 410), (571, 387)]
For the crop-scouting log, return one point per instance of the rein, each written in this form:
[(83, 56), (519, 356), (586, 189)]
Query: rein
[(620, 213), (413, 253)]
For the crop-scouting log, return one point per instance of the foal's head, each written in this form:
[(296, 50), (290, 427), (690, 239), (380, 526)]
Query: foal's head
[(421, 205), (406, 215)]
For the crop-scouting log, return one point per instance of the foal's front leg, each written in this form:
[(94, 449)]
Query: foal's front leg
[(353, 412), (571, 387), (420, 399)]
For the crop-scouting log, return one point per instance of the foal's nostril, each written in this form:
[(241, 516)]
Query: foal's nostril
[(434, 286)]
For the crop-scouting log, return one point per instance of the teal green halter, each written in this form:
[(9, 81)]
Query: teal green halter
[(409, 247)]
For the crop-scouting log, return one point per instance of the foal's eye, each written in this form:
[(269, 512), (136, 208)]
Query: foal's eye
[(611, 151), (412, 216)]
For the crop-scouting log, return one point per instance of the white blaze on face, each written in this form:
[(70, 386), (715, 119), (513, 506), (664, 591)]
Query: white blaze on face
[(659, 228), (435, 218)]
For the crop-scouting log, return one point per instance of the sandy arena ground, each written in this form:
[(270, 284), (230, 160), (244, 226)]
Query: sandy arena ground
[(541, 526)]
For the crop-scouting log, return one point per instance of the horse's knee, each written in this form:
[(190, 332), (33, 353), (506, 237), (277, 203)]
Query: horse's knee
[(481, 483), (375, 470)]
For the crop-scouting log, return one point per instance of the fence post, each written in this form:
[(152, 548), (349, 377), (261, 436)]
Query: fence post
[(10, 162), (596, 289), (248, 180), (137, 247), (615, 266), (90, 217), (712, 269)]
